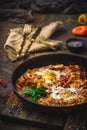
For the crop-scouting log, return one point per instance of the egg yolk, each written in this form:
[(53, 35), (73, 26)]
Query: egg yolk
[(50, 75)]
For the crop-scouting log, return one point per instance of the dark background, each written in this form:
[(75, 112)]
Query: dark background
[(21, 11)]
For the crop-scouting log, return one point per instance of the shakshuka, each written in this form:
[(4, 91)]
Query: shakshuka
[(54, 85)]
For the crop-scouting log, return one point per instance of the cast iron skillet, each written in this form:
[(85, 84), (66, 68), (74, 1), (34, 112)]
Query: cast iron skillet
[(46, 59)]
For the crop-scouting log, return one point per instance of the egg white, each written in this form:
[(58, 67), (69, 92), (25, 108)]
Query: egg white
[(55, 93), (42, 72)]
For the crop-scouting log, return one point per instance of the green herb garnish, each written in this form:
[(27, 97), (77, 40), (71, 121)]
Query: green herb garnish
[(35, 91)]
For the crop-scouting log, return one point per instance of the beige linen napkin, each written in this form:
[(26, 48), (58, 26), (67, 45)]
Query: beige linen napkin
[(21, 41)]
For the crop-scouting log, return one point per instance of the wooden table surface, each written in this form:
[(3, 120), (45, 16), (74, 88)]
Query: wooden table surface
[(76, 121)]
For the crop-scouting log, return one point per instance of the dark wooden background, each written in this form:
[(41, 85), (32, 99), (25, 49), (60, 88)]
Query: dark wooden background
[(7, 67)]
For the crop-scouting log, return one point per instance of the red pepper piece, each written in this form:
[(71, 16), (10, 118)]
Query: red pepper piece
[(2, 82)]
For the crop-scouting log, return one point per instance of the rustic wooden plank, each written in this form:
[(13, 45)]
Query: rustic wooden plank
[(77, 121), (14, 108)]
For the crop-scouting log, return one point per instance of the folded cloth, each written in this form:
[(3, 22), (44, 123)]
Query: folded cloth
[(26, 40)]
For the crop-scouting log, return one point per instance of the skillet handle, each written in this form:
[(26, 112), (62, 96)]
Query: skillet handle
[(3, 83)]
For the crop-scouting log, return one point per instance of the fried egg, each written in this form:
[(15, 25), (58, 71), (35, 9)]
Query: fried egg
[(50, 75), (63, 93)]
